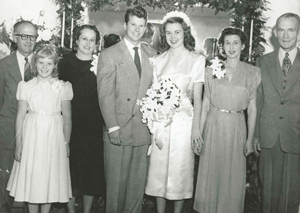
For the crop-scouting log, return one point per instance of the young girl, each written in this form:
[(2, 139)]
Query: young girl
[(41, 173)]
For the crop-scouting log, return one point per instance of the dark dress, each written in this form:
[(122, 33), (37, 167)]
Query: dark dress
[(86, 144)]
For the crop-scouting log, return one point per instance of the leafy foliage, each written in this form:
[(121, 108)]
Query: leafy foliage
[(242, 13), (72, 9)]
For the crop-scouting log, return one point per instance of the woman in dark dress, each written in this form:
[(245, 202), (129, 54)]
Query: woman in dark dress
[(86, 146)]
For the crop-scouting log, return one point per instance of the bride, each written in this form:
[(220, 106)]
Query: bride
[(171, 168)]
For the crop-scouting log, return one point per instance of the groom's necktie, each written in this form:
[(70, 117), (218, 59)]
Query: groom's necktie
[(286, 64), (27, 70), (137, 60)]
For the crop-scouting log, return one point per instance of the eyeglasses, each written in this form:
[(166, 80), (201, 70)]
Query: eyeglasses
[(24, 37)]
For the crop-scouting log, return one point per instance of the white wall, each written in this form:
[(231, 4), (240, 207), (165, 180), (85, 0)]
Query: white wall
[(277, 8)]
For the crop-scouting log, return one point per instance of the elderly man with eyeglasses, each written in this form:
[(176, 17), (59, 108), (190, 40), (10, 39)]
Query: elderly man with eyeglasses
[(13, 69)]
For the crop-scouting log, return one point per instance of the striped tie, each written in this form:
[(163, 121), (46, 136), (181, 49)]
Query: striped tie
[(27, 70)]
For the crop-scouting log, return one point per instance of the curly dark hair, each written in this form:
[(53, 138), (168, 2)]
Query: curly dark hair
[(188, 41), (138, 11), (111, 39), (47, 51), (78, 29), (232, 31)]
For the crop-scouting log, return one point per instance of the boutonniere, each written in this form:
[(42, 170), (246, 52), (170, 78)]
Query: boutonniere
[(218, 68), (56, 84), (94, 63)]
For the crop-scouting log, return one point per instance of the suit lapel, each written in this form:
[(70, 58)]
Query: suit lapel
[(294, 73), (13, 67), (146, 77), (128, 67), (273, 67)]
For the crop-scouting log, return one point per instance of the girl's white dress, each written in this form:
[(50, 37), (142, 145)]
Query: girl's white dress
[(43, 174), (171, 169)]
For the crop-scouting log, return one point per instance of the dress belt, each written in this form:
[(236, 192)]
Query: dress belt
[(227, 111), (44, 113)]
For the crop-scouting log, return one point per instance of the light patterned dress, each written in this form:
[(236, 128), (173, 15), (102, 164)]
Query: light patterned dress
[(43, 174)]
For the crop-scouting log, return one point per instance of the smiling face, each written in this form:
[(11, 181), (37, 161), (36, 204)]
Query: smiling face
[(86, 42), (174, 35), (25, 47), (233, 46), (286, 32), (45, 67), (134, 29)]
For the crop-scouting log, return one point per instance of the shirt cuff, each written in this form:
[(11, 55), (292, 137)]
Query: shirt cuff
[(112, 129)]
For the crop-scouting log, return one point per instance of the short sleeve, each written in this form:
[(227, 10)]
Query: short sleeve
[(199, 69), (254, 79), (67, 92), (208, 82), (22, 91)]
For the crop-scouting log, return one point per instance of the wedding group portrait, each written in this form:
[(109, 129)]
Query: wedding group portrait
[(161, 106)]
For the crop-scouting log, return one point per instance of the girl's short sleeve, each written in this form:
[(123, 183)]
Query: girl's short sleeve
[(199, 69), (67, 92), (254, 78), (22, 91)]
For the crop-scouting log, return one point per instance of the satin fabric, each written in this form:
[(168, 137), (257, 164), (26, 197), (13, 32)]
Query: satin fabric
[(171, 168)]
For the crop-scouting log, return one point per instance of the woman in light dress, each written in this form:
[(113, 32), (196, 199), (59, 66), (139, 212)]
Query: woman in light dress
[(221, 180), (171, 168)]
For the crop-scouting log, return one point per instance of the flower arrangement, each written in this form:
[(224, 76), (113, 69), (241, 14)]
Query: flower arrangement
[(182, 15), (56, 84), (218, 68), (94, 63), (162, 100)]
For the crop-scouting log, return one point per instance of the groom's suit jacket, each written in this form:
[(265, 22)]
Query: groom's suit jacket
[(119, 88), (278, 104), (10, 76)]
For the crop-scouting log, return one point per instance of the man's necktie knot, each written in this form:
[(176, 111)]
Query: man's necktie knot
[(137, 60), (286, 64)]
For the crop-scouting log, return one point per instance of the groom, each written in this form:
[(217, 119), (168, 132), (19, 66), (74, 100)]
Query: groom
[(124, 75)]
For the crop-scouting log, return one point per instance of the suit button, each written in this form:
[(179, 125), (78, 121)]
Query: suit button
[(280, 118), (128, 99), (282, 103), (283, 87), (284, 81)]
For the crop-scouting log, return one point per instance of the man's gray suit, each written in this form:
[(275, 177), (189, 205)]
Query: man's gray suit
[(278, 128), (10, 76), (119, 88)]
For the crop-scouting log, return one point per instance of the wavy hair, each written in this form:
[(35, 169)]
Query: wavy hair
[(137, 11), (232, 31), (188, 41), (45, 52), (77, 33)]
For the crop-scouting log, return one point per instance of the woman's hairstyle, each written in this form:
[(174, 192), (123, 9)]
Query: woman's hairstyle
[(232, 31), (45, 52), (137, 11), (188, 41), (78, 29), (110, 39)]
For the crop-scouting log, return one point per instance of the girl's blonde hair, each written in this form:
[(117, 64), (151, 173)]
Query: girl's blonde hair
[(45, 52)]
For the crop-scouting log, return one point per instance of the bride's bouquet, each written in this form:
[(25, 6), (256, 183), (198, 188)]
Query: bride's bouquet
[(162, 100)]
